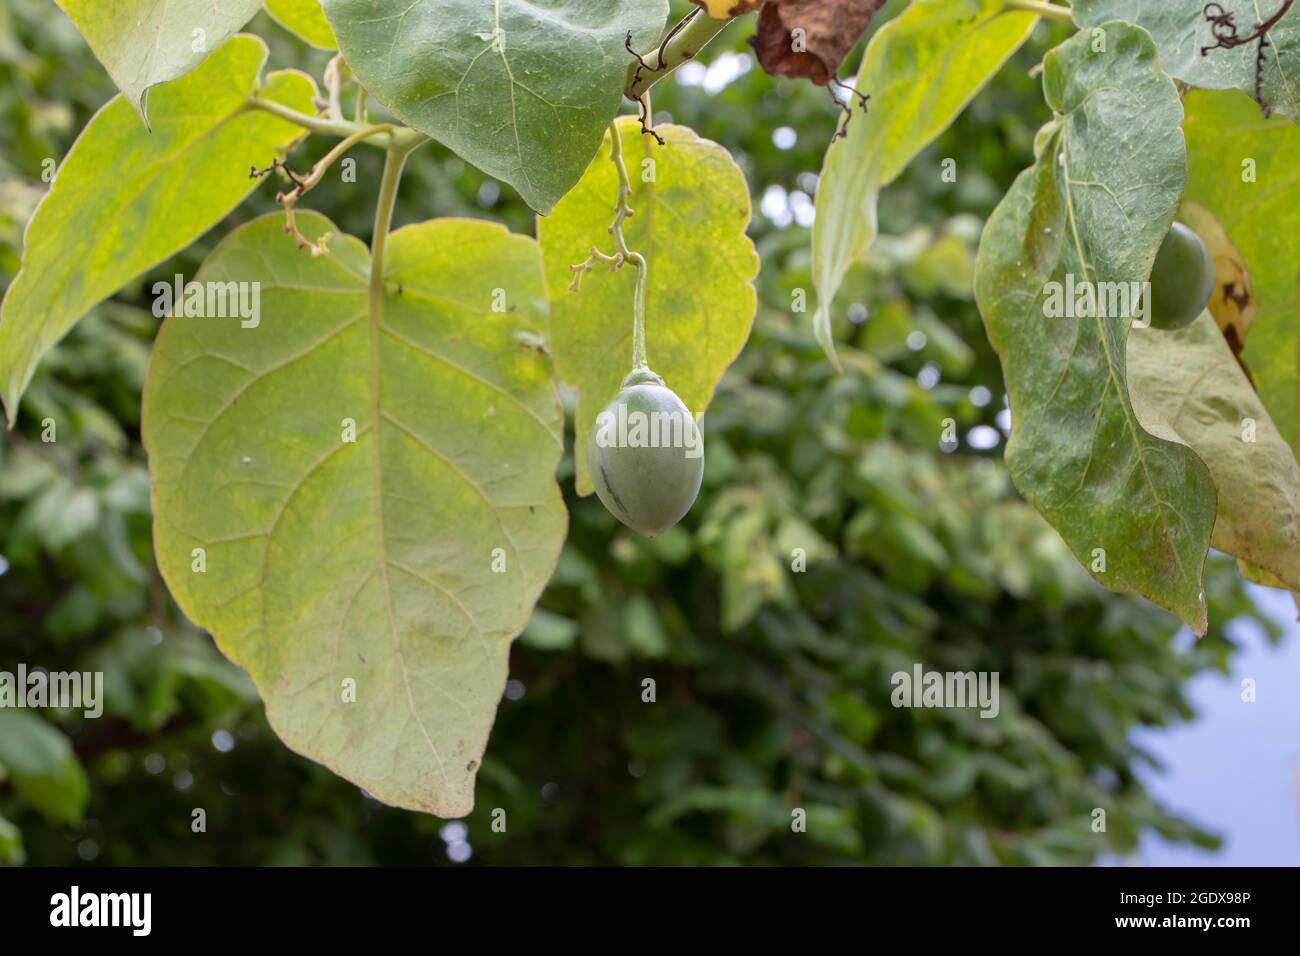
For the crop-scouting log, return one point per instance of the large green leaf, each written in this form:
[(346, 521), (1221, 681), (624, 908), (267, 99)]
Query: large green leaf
[(1243, 169), (1182, 32), (1187, 386), (305, 19), (522, 91), (145, 42), (689, 223), (125, 199), (921, 70), (39, 762), (404, 560), (1095, 206)]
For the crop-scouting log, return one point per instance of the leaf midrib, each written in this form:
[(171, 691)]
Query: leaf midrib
[(1114, 378)]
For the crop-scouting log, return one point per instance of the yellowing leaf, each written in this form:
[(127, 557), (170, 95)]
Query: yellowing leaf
[(691, 210), (124, 199), (1189, 382), (371, 486), (1242, 168), (305, 19), (726, 9), (921, 69)]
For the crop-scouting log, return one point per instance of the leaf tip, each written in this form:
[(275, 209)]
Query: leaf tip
[(141, 108), (822, 332), (9, 399)]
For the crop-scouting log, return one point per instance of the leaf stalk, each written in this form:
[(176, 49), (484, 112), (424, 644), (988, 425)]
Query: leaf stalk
[(1040, 7), (683, 42)]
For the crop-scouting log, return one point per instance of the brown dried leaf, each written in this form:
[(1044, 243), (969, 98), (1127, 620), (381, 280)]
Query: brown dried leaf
[(810, 38)]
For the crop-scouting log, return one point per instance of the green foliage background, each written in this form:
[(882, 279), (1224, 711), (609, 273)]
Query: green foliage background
[(773, 687)]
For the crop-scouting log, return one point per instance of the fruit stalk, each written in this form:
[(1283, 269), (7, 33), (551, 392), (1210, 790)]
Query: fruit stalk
[(622, 254), (623, 210)]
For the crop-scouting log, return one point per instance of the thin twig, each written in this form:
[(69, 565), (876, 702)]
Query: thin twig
[(1224, 30), (289, 200), (622, 254), (843, 131)]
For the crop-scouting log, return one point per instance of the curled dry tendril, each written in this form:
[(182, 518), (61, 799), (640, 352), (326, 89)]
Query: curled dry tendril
[(843, 130), (1223, 28)]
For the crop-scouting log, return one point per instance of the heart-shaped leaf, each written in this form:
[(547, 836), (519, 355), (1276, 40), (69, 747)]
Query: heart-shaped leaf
[(145, 42), (358, 498), (519, 90), (691, 209), (1135, 509), (125, 199)]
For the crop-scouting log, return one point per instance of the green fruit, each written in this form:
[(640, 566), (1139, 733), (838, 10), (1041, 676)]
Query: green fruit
[(1181, 279), (646, 455)]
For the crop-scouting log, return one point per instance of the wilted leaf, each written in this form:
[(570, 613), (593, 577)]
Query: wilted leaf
[(402, 556), (921, 70), (1188, 33), (145, 42), (690, 221), (125, 199), (305, 19), (520, 91), (810, 38), (1135, 509), (1187, 385), (1243, 169)]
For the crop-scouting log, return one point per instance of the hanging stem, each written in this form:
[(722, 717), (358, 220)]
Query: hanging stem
[(638, 260), (622, 254), (394, 160)]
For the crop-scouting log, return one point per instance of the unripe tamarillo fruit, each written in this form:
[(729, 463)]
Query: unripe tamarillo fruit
[(646, 455), (1181, 279)]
